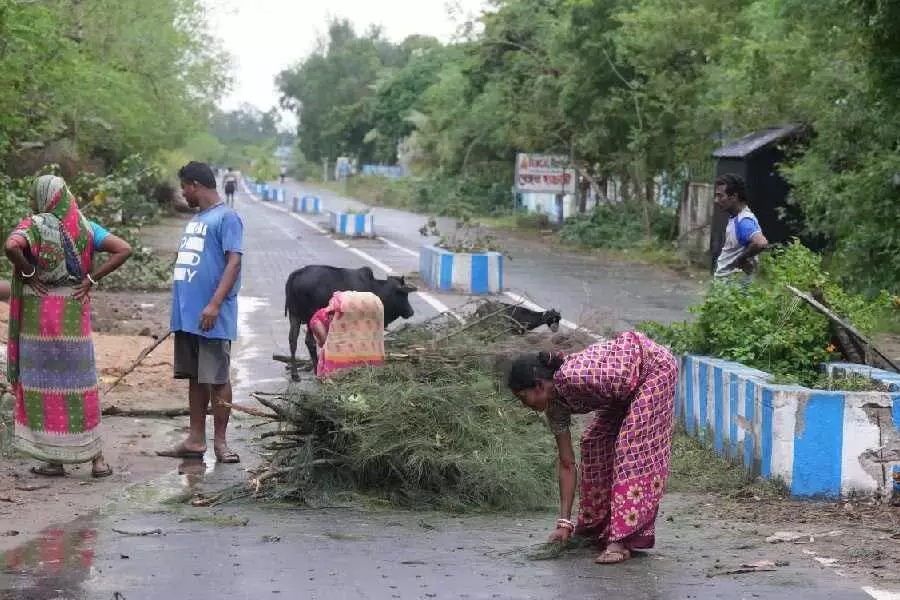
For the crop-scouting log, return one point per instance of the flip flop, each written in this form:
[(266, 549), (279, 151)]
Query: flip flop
[(102, 473), (612, 557), (180, 451), (45, 471), (228, 457)]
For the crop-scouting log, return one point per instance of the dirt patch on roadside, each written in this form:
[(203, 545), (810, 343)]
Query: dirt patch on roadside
[(861, 539)]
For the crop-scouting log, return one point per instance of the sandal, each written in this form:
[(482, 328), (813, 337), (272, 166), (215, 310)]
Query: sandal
[(228, 457), (612, 557), (99, 474), (49, 471)]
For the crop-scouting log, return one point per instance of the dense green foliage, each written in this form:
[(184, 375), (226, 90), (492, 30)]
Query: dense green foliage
[(630, 89), (763, 325), (103, 79), (100, 92), (620, 226)]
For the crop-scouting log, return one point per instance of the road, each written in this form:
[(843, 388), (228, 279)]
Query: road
[(595, 292), (250, 551)]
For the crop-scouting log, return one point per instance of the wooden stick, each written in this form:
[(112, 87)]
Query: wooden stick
[(287, 359), (144, 354), (836, 319), (164, 413), (252, 411)]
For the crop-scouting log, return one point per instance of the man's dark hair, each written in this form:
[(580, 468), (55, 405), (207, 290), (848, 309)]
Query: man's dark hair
[(734, 184), (198, 172)]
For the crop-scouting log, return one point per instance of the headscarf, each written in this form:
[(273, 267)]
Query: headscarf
[(59, 237), (60, 245)]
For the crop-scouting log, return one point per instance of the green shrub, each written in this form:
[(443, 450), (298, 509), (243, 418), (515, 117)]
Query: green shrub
[(621, 226), (764, 325)]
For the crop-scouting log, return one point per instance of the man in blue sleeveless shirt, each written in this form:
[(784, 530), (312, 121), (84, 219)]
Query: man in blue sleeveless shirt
[(207, 280)]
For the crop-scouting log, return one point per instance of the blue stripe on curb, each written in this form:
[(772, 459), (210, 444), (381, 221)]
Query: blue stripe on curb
[(719, 402), (689, 394), (818, 446), (733, 397), (703, 384), (480, 274), (446, 274), (766, 436), (750, 434), (895, 412)]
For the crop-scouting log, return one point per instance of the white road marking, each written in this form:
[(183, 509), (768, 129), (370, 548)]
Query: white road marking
[(436, 304), (881, 594), (397, 246)]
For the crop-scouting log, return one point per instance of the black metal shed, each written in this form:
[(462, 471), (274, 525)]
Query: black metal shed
[(755, 158)]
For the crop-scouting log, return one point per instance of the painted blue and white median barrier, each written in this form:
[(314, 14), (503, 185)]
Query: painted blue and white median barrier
[(310, 205), (470, 273), (352, 224), (819, 443)]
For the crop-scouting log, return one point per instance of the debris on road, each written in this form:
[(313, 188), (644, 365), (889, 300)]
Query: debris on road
[(138, 533), (790, 537), (434, 426)]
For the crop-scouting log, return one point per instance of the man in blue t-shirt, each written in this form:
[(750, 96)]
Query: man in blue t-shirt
[(744, 238), (207, 280)]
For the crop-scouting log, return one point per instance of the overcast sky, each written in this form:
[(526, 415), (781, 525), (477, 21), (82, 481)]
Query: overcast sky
[(266, 36)]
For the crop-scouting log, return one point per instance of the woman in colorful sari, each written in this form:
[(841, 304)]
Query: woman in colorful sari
[(50, 352), (628, 382), (349, 332)]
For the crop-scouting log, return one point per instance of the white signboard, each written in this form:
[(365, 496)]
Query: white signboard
[(545, 173)]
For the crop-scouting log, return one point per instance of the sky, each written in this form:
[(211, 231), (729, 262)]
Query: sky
[(266, 36)]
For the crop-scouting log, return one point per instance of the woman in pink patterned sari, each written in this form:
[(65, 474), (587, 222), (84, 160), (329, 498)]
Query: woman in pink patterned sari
[(50, 354), (628, 382)]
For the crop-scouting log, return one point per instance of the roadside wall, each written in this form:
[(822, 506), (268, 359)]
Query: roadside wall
[(819, 443)]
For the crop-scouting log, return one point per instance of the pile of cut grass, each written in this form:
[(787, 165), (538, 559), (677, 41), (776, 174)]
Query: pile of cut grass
[(433, 428)]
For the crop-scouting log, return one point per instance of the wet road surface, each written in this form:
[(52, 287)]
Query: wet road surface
[(598, 293), (248, 552), (251, 551)]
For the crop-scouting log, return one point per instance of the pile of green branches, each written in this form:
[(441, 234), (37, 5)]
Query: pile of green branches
[(435, 427)]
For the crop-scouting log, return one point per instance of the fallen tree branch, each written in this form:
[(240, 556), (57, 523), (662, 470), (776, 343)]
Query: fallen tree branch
[(839, 321), (144, 354), (252, 411), (467, 326), (162, 413)]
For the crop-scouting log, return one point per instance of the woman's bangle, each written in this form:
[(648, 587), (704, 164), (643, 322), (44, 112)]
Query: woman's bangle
[(565, 524), (30, 275), (91, 279)]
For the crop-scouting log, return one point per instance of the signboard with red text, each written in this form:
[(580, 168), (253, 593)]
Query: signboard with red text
[(546, 173)]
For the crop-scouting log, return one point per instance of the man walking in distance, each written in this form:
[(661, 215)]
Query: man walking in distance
[(204, 310), (230, 186), (744, 239)]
